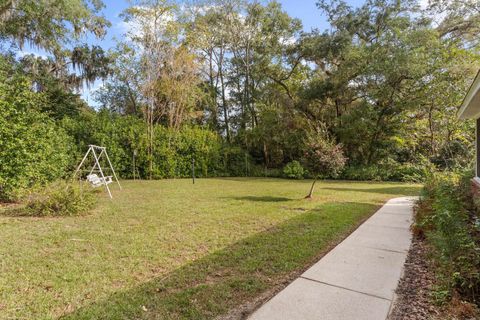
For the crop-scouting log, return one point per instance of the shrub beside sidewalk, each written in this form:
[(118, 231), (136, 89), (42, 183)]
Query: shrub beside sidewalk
[(447, 217)]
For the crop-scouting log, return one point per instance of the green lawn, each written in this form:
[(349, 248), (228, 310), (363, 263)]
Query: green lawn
[(172, 250)]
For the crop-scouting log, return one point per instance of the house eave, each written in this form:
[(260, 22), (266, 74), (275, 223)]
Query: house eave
[(470, 108)]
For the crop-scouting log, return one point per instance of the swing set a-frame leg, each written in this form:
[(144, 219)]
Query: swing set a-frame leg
[(111, 167), (81, 163), (95, 165), (101, 172)]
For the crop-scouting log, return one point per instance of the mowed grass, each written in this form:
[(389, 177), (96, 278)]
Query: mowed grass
[(172, 250)]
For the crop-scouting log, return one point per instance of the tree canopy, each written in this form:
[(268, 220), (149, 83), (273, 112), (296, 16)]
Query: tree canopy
[(382, 83), (50, 25)]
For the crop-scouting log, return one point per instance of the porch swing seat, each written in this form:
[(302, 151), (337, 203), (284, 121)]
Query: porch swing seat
[(96, 181)]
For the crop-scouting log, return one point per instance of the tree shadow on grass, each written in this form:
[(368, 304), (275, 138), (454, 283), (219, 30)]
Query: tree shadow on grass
[(399, 190), (213, 285), (261, 199)]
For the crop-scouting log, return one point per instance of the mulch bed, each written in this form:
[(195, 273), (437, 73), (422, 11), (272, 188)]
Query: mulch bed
[(414, 301)]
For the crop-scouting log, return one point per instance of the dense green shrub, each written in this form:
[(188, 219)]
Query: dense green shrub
[(236, 162), (363, 173), (389, 171), (446, 215), (120, 134), (190, 144), (59, 198), (412, 172), (293, 170), (124, 136), (33, 149), (263, 172)]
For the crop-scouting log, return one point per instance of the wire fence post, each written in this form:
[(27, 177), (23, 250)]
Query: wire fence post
[(246, 165), (134, 166), (193, 170)]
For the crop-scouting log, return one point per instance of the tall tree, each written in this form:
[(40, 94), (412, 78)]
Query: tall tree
[(50, 25), (170, 79), (375, 70)]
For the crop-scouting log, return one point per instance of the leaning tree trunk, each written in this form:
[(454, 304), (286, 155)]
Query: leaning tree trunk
[(312, 188)]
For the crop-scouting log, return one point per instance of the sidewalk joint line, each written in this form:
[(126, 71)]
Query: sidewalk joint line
[(385, 226), (379, 249), (339, 287), (367, 223), (388, 250), (392, 213)]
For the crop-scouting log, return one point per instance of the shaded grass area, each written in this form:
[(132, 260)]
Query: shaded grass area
[(170, 250)]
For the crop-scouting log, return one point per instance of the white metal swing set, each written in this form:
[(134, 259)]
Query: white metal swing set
[(92, 177)]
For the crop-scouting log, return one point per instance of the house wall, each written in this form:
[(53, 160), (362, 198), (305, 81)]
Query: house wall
[(477, 148)]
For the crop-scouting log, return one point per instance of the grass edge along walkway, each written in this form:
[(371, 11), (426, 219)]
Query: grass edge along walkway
[(357, 279)]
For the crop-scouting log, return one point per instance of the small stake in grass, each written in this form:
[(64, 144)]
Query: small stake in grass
[(133, 171), (134, 155), (193, 170)]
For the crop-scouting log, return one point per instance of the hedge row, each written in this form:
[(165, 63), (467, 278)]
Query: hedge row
[(33, 148)]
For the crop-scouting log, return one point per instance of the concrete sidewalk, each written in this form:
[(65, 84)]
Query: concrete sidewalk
[(357, 279)]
